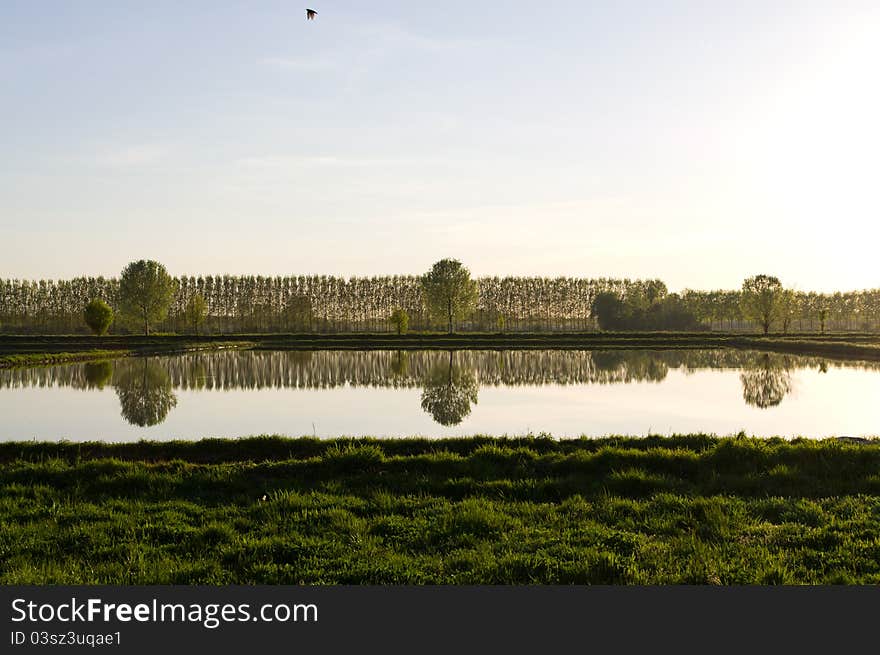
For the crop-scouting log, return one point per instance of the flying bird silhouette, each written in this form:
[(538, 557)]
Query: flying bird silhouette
[(310, 14)]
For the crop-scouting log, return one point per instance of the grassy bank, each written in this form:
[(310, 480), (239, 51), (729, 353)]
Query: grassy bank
[(49, 358), (25, 350), (693, 509), (20, 352)]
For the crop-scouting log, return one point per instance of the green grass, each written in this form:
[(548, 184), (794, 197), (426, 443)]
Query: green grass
[(50, 358), (45, 351), (658, 510)]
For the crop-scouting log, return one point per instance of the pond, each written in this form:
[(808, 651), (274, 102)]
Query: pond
[(440, 393)]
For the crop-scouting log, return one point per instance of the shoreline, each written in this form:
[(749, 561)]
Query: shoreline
[(37, 350), (277, 448)]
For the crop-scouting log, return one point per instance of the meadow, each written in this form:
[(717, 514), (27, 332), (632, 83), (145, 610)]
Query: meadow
[(656, 510)]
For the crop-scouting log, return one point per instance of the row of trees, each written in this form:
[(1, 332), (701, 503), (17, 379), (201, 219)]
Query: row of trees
[(762, 301), (444, 298), (146, 298)]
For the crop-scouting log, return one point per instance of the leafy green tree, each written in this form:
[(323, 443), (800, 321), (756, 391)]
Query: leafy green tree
[(609, 310), (400, 320), (196, 312), (145, 292), (98, 316), (666, 312), (670, 313), (763, 300), (449, 291), (787, 308)]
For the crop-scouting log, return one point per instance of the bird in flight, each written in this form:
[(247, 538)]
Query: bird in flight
[(310, 14)]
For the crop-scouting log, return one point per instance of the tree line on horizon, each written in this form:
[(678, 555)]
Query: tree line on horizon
[(444, 299)]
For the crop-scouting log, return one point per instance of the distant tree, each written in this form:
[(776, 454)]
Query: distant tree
[(400, 319), (449, 291), (670, 313), (762, 300), (196, 312), (823, 317), (731, 307), (608, 308), (641, 295), (787, 308), (299, 313), (145, 292), (665, 312), (98, 316), (500, 322)]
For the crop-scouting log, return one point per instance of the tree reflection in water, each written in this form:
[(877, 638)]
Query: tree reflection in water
[(766, 381), (449, 380), (400, 364), (97, 374), (449, 392), (144, 390)]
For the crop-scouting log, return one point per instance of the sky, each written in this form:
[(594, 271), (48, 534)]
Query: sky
[(696, 142)]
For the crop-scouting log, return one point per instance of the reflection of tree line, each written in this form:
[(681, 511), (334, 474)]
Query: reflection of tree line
[(328, 369), (449, 380)]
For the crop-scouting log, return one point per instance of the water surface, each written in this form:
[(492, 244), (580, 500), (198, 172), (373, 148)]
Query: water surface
[(440, 393)]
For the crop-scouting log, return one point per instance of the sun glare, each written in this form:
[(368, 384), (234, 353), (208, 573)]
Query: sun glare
[(818, 149)]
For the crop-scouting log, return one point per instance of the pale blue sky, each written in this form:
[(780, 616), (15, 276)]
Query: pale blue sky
[(682, 140)]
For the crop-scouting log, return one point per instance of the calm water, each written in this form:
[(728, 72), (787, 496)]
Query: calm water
[(388, 393)]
